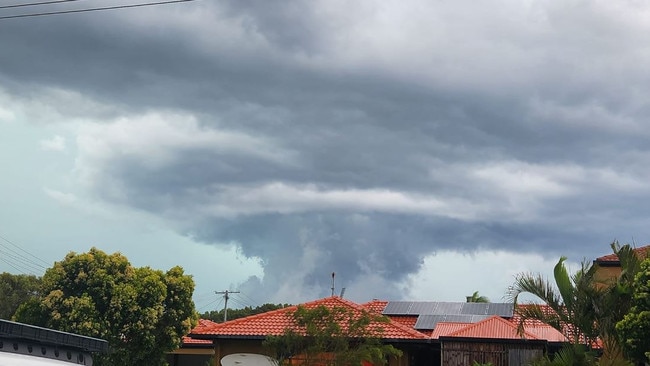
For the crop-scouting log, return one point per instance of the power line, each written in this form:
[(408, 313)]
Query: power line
[(139, 5), (239, 302), (250, 299), (20, 257), (200, 308), (35, 4), (24, 263)]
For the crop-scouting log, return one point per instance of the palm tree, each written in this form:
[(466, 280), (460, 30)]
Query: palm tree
[(582, 307), (477, 298), (616, 301), (572, 301)]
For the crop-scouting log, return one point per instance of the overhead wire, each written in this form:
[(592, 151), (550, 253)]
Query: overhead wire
[(203, 307), (21, 249), (72, 11), (10, 264), (20, 263), (250, 299), (25, 264), (239, 302), (36, 4)]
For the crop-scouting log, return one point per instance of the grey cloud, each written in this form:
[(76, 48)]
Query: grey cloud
[(546, 96)]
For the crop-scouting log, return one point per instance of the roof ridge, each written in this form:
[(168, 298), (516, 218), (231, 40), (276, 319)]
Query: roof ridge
[(362, 308), (390, 329), (612, 257), (405, 327), (505, 322), (215, 326)]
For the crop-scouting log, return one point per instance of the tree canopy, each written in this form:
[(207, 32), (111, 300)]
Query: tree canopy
[(569, 298), (217, 316), (634, 329), (332, 336), (15, 290), (584, 309), (141, 312)]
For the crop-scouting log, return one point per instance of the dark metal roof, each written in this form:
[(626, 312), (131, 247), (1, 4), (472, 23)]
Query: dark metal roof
[(13, 330), (448, 308), (429, 313)]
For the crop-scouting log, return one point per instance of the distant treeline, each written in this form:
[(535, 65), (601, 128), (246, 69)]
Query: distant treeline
[(217, 316)]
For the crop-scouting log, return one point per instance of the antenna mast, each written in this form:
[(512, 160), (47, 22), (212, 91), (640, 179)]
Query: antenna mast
[(333, 274)]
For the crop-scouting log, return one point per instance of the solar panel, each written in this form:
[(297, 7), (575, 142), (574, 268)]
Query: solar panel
[(397, 308), (505, 310), (429, 322), (422, 307), (447, 308), (475, 308)]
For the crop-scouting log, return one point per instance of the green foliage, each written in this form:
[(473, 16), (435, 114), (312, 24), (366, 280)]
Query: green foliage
[(210, 362), (616, 301), (476, 363), (141, 312), (477, 298), (16, 290), (336, 336), (572, 298), (583, 309), (569, 355), (634, 328), (218, 315)]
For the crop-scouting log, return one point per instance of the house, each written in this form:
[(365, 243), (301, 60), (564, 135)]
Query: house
[(28, 345), (245, 335), (462, 333), (428, 333), (608, 267), (193, 352)]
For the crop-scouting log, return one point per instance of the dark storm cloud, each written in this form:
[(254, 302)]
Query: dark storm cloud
[(317, 147)]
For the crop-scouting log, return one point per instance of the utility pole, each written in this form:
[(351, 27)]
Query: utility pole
[(225, 305)]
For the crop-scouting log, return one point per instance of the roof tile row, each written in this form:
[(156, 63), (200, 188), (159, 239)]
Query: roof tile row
[(397, 328)]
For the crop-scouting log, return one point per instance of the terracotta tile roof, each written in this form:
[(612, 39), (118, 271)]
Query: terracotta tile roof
[(408, 320), (188, 341), (275, 322), (537, 327), (376, 306), (494, 327), (204, 323), (544, 331), (445, 328), (516, 317), (642, 252)]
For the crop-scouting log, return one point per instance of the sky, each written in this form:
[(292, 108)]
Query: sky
[(421, 150)]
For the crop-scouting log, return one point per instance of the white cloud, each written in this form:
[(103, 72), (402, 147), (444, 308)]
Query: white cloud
[(65, 199), (56, 143), (488, 272), (155, 140), (288, 198)]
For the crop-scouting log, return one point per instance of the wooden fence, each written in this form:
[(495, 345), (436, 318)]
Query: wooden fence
[(497, 354)]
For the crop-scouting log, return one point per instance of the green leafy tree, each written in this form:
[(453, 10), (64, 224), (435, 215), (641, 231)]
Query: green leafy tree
[(16, 290), (141, 312), (335, 336), (634, 328)]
